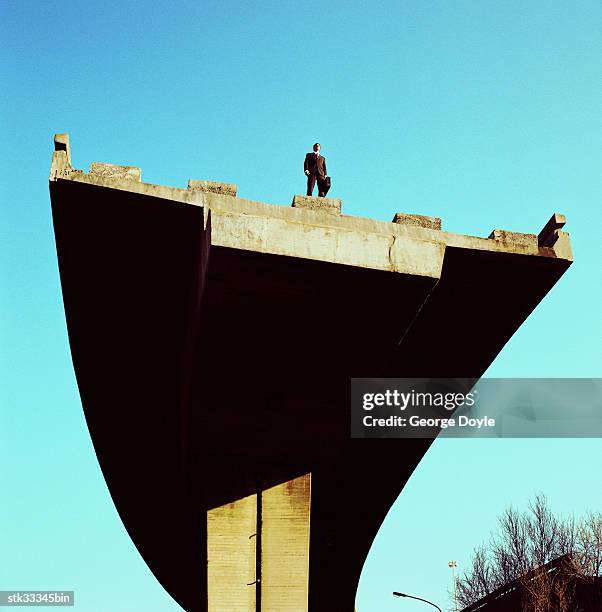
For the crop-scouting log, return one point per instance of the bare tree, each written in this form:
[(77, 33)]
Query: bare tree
[(545, 556)]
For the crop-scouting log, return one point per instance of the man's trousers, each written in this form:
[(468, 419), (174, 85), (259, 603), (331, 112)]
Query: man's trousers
[(311, 181)]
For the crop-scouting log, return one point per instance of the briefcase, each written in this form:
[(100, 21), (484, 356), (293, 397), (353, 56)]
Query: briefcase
[(326, 185)]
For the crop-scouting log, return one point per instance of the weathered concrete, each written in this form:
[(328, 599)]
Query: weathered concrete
[(213, 339), (514, 238), (331, 206), (550, 234), (266, 234), (258, 550), (231, 542), (419, 220), (285, 546), (222, 205), (227, 189), (61, 143), (115, 172)]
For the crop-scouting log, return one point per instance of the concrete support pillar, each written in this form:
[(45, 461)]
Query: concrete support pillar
[(231, 563), (285, 546), (241, 578)]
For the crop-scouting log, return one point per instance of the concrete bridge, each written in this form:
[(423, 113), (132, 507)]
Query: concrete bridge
[(213, 339)]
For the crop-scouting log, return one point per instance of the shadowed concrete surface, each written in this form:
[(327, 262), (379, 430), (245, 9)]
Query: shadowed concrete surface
[(213, 339)]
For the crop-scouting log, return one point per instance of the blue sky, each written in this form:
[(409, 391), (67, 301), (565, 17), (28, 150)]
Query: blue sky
[(484, 113)]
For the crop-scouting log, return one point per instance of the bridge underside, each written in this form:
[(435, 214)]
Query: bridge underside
[(215, 382)]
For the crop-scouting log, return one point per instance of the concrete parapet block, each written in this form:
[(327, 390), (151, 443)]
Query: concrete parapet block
[(113, 171), (418, 220), (562, 246), (551, 231), (61, 143), (332, 206), (60, 166), (514, 238), (228, 189)]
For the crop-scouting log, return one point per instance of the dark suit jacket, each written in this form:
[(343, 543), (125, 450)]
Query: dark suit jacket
[(315, 165)]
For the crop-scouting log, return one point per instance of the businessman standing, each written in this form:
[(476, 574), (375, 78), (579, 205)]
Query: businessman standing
[(315, 170)]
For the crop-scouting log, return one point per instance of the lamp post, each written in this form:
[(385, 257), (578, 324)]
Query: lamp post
[(398, 594), (453, 566)]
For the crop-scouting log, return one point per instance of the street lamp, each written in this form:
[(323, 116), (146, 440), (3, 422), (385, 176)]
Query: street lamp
[(397, 594), (453, 566)]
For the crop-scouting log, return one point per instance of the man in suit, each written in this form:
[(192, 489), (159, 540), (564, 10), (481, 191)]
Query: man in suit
[(315, 170)]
